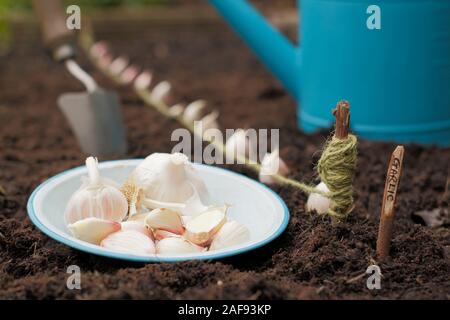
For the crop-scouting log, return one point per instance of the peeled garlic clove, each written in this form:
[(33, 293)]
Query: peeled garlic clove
[(202, 228), (194, 110), (231, 233), (129, 241), (97, 197), (173, 245), (143, 80), (93, 230), (162, 234), (318, 202), (160, 91), (272, 164), (136, 226), (164, 219)]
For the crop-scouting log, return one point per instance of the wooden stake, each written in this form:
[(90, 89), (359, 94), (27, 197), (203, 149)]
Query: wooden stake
[(342, 114), (388, 207)]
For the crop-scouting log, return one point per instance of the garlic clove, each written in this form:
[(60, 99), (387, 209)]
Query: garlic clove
[(176, 110), (240, 145), (129, 241), (160, 91), (232, 233), (93, 230), (194, 110), (136, 226), (164, 219), (118, 65), (173, 245), (160, 234), (97, 197), (98, 49), (270, 165), (143, 80), (210, 121), (129, 74), (317, 202), (105, 60), (203, 227)]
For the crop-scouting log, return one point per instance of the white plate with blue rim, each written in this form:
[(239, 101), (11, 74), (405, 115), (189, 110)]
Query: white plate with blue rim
[(256, 206)]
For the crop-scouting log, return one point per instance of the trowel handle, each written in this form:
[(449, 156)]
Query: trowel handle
[(55, 34)]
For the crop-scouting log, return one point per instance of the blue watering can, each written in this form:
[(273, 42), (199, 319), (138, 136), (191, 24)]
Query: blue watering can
[(389, 58)]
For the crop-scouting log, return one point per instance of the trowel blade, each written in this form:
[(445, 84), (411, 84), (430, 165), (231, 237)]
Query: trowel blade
[(96, 120)]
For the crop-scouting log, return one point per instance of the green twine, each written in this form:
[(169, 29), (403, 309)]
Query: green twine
[(336, 167)]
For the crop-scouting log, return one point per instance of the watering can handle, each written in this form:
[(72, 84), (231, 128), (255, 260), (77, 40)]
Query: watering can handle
[(274, 49), (55, 34)]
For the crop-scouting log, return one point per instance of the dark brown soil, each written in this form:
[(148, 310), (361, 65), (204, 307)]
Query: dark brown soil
[(312, 259)]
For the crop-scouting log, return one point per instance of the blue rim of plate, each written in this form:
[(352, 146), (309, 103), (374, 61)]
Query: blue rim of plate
[(152, 259)]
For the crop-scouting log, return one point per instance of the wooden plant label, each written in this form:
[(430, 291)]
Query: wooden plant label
[(389, 197)]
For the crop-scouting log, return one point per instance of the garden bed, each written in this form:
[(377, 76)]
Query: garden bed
[(311, 259)]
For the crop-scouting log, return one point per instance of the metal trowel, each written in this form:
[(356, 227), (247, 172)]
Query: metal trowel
[(95, 115)]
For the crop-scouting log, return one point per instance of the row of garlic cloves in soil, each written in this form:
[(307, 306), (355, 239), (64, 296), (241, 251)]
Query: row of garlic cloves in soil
[(160, 209)]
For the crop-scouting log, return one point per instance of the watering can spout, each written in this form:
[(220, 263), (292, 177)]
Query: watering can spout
[(275, 50)]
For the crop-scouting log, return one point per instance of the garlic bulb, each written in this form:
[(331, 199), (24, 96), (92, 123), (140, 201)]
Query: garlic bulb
[(93, 230), (136, 226), (129, 241), (173, 245), (164, 219), (239, 144), (97, 197), (317, 202), (270, 165), (167, 181), (162, 234), (194, 110), (231, 233), (202, 228)]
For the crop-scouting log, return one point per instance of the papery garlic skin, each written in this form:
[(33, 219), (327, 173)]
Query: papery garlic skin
[(136, 226), (203, 227), (318, 202), (174, 245), (232, 233), (164, 219), (162, 234), (270, 165), (169, 180), (129, 241), (93, 230), (97, 197)]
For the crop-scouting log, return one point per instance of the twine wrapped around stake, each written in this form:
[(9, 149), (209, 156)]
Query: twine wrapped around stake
[(337, 164)]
